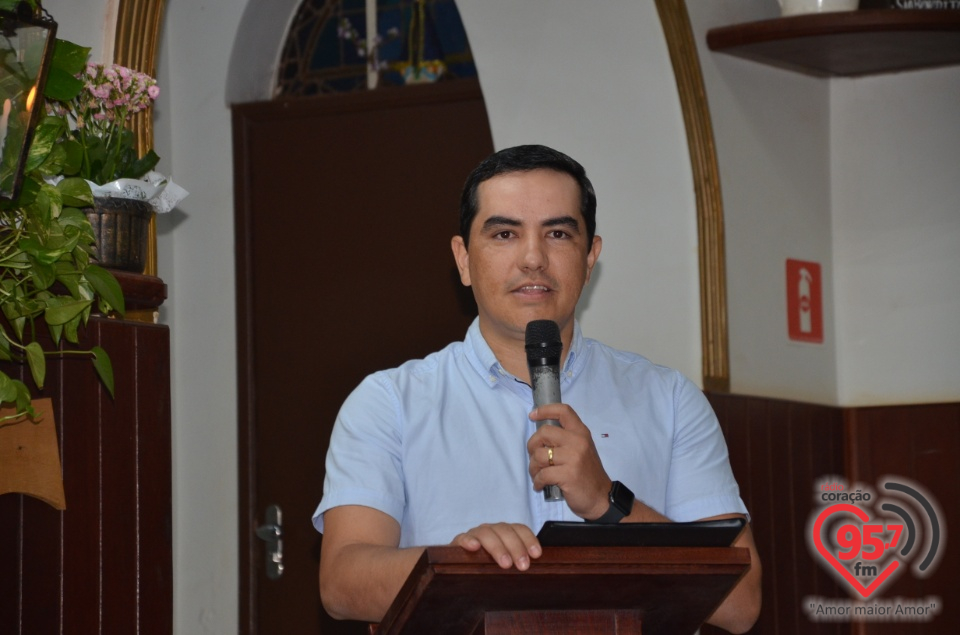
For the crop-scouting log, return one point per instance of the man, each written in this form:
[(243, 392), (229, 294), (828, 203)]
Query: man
[(445, 449)]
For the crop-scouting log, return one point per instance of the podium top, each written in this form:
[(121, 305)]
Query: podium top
[(671, 590)]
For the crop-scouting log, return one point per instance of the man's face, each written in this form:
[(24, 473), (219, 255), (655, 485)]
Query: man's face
[(529, 257)]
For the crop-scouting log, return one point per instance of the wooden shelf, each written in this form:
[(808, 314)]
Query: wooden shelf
[(846, 44), (141, 292)]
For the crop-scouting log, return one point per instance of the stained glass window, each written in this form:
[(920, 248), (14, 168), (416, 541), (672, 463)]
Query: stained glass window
[(326, 50)]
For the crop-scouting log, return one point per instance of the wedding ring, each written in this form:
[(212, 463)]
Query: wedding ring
[(550, 456)]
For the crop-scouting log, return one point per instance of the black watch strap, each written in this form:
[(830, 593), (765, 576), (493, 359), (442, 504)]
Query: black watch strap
[(621, 503)]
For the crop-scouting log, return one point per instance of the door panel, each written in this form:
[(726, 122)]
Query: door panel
[(345, 209)]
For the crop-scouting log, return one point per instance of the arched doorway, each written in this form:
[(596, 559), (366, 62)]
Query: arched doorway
[(345, 204)]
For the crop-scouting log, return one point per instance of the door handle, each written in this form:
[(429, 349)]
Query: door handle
[(271, 532)]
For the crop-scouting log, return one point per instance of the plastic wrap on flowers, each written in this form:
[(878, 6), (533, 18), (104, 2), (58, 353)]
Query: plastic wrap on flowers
[(160, 192)]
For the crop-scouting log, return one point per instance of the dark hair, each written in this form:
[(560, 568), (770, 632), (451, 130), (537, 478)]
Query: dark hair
[(525, 159)]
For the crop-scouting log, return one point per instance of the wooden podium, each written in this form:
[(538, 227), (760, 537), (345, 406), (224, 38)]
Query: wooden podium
[(664, 590)]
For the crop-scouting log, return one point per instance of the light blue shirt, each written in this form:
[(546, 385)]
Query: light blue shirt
[(440, 444)]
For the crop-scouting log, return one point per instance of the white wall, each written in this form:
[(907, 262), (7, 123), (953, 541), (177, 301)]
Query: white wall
[(195, 250), (860, 175), (791, 151), (896, 237), (88, 23), (773, 144)]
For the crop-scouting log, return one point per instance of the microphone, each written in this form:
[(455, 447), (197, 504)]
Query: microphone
[(544, 348)]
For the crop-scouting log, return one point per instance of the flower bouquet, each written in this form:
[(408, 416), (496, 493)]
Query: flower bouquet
[(111, 96)]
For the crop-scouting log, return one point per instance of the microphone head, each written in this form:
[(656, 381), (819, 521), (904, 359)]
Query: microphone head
[(543, 343)]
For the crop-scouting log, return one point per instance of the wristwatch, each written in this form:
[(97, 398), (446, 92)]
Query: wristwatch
[(621, 503)]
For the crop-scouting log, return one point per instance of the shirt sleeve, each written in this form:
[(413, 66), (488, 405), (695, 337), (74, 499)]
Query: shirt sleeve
[(701, 482), (363, 464)]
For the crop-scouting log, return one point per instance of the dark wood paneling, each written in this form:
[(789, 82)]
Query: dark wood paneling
[(920, 443), (780, 449), (103, 565), (81, 456)]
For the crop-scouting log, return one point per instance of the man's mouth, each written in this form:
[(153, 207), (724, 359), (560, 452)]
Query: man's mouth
[(533, 288)]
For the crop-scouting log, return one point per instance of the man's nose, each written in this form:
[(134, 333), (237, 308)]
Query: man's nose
[(533, 254)]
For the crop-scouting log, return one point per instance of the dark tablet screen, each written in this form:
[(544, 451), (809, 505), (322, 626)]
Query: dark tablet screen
[(707, 533)]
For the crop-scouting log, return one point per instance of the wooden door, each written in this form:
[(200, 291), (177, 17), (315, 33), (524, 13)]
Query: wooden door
[(345, 209)]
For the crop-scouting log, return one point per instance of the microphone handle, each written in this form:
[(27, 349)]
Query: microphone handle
[(551, 493), (546, 390)]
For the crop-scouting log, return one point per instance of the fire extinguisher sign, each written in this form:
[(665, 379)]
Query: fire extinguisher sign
[(804, 301)]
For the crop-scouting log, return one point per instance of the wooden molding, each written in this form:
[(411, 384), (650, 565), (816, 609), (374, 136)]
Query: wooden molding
[(706, 179), (135, 46)]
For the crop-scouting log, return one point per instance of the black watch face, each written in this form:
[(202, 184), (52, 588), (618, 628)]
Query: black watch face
[(621, 497)]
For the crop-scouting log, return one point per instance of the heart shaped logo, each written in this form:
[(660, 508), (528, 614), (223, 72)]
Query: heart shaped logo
[(865, 591)]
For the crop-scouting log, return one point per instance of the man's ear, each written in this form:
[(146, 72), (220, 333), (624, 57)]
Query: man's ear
[(593, 255), (462, 258)]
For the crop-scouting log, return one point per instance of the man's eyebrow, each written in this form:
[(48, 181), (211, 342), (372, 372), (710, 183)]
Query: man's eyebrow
[(497, 221), (563, 221)]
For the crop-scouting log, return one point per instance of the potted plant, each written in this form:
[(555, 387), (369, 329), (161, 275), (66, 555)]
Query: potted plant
[(126, 190), (47, 247)]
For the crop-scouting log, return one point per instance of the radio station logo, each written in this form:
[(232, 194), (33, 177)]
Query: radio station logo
[(867, 538)]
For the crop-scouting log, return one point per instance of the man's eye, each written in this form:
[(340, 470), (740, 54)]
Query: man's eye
[(503, 235), (559, 233)]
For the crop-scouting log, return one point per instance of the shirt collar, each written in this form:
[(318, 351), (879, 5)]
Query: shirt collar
[(485, 362)]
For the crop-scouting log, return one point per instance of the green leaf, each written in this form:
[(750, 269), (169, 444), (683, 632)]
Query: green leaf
[(61, 85), (68, 276), (41, 253), (15, 318), (53, 164), (37, 363), (70, 237), (73, 160), (5, 353), (56, 331), (83, 252), (76, 192), (73, 217), (47, 132), (70, 57), (70, 329), (64, 310), (106, 287), (42, 274), (45, 206), (24, 403), (8, 390), (101, 362), (14, 307), (142, 165)]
